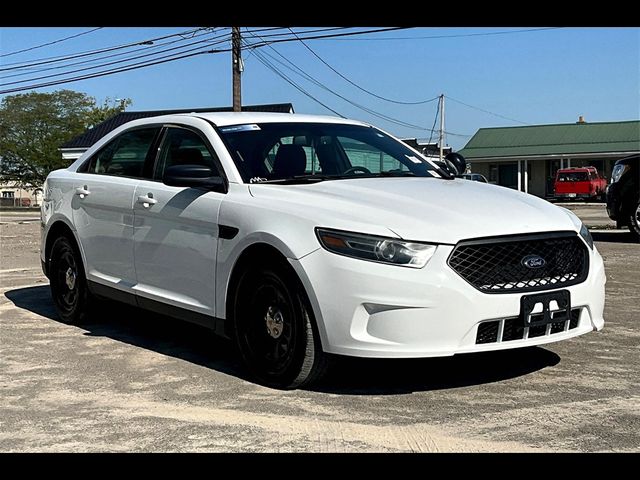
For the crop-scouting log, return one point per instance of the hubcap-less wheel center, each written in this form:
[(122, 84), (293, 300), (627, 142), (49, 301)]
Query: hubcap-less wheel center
[(70, 278), (274, 321), (638, 214)]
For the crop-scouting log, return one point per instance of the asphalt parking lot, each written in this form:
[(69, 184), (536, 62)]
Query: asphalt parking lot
[(131, 381)]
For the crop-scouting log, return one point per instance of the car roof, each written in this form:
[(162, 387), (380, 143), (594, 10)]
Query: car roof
[(629, 160), (576, 169), (222, 119)]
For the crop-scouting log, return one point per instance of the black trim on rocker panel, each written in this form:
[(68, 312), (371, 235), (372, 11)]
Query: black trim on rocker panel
[(112, 293), (215, 324)]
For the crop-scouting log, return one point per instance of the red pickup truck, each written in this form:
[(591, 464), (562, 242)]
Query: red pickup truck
[(584, 182)]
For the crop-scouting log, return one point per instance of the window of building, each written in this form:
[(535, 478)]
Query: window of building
[(8, 194)]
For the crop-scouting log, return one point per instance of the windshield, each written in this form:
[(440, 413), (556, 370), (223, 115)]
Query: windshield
[(573, 177), (280, 152)]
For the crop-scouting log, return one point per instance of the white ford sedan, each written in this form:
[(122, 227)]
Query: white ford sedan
[(301, 236)]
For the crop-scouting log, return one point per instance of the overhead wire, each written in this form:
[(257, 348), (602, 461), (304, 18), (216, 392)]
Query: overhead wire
[(115, 62), (87, 53), (435, 119), (33, 70), (168, 58), (359, 87), (487, 111), (311, 79), (50, 43), (460, 35), (291, 82)]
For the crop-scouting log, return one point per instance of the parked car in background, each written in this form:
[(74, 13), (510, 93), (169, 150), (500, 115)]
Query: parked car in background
[(301, 236), (476, 177), (623, 194), (580, 182)]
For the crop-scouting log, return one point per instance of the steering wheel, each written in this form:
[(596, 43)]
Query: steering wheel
[(352, 170)]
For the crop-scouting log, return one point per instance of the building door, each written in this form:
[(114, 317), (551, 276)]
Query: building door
[(508, 175)]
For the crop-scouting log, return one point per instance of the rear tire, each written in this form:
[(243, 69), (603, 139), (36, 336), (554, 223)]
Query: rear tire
[(69, 291), (274, 328), (634, 222)]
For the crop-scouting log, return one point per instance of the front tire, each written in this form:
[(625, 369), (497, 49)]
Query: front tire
[(634, 222), (274, 329), (69, 290)]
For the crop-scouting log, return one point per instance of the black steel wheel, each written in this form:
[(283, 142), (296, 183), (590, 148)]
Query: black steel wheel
[(274, 332), (68, 283)]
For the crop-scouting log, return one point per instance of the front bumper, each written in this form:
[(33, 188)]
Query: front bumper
[(614, 203), (366, 309)]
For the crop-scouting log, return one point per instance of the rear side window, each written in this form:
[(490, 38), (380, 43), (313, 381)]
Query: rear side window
[(573, 177), (125, 155)]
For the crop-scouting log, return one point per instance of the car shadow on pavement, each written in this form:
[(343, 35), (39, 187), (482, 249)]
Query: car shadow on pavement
[(613, 236), (143, 329), (358, 376), (352, 376)]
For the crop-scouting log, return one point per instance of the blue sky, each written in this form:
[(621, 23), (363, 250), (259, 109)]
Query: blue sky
[(549, 76)]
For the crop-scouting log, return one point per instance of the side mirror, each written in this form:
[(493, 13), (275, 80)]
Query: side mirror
[(195, 176), (457, 161)]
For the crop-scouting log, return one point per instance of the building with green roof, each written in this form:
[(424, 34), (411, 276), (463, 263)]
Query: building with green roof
[(527, 158)]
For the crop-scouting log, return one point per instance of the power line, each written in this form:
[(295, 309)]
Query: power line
[(335, 35), (50, 43), (275, 70), (165, 59), (313, 80), (460, 35), (399, 102), (86, 53), (94, 60), (487, 111), (16, 82), (148, 63), (435, 120)]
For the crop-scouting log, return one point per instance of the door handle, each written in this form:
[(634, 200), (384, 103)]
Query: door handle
[(82, 191), (147, 200)]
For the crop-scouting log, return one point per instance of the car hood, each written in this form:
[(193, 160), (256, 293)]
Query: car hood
[(422, 209)]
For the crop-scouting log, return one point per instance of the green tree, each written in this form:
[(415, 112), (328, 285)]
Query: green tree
[(34, 125)]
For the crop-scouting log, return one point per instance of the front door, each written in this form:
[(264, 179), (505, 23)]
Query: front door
[(176, 229), (103, 207)]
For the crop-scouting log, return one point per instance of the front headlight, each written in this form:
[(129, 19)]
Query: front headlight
[(618, 171), (376, 249), (586, 235)]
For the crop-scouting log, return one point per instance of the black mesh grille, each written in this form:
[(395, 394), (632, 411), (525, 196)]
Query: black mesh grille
[(496, 265), (489, 332), (513, 330)]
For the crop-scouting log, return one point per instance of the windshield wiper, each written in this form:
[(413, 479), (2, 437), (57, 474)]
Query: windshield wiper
[(391, 173), (297, 179), (300, 179)]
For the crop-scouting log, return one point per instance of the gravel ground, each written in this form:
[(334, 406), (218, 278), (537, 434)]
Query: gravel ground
[(131, 381)]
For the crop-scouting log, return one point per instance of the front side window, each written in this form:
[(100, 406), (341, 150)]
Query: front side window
[(285, 151), (183, 147), (125, 155)]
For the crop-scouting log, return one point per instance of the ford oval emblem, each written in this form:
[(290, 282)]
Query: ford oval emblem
[(533, 261)]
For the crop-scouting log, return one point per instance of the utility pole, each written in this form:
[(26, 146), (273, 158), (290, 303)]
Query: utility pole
[(441, 136), (236, 68)]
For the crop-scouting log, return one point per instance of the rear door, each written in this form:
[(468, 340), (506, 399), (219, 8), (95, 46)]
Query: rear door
[(103, 207), (176, 233)]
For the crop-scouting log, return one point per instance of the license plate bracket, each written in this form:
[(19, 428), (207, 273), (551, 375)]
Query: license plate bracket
[(529, 302)]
